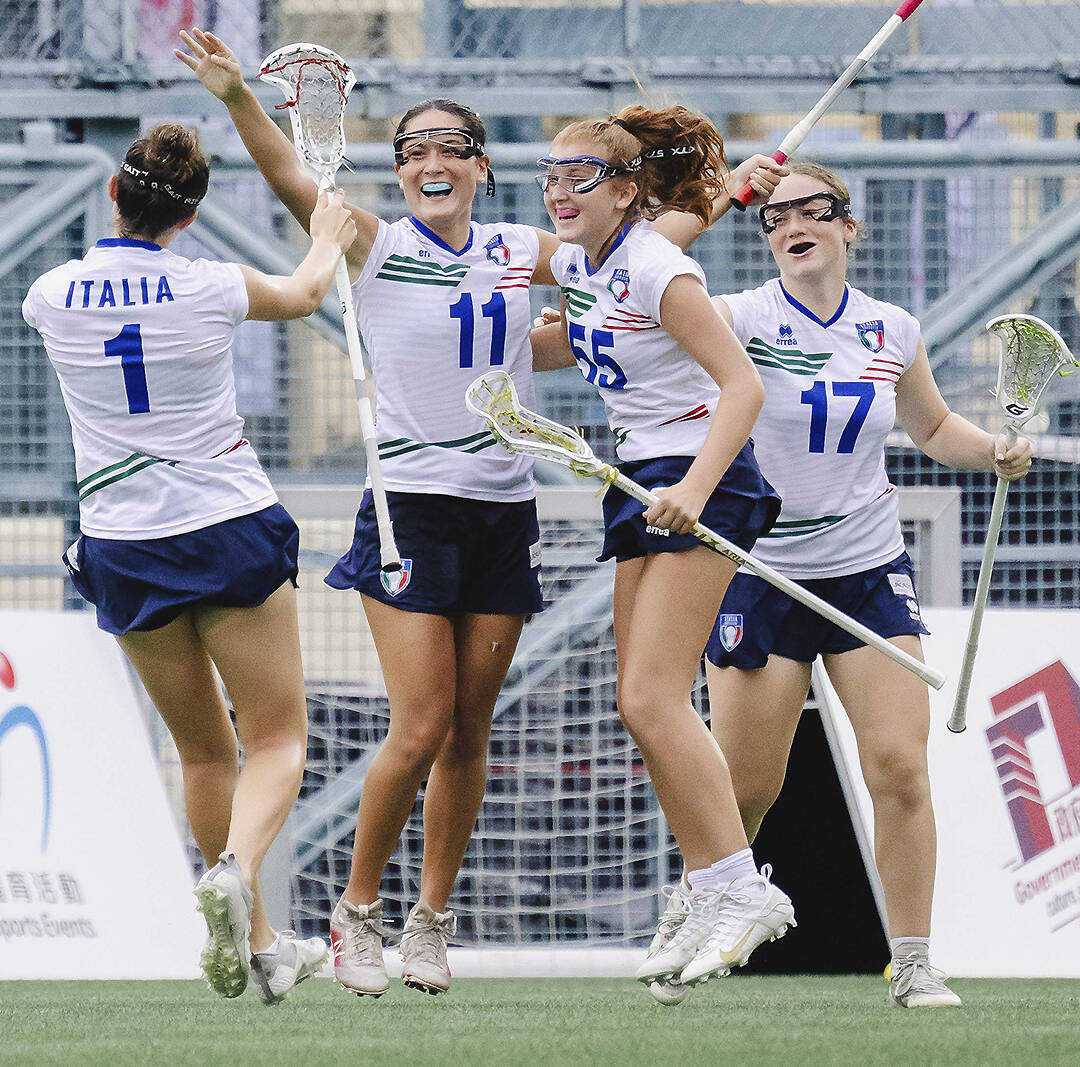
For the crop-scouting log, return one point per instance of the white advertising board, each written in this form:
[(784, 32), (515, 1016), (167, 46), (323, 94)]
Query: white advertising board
[(93, 879), (1006, 794)]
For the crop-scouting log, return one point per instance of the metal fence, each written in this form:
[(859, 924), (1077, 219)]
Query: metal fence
[(959, 144)]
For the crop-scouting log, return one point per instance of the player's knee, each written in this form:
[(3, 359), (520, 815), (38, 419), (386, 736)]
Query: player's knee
[(898, 778), (417, 742), (641, 704)]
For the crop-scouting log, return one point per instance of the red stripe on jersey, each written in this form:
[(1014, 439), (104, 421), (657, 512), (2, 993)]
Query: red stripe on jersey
[(700, 412), (232, 448)]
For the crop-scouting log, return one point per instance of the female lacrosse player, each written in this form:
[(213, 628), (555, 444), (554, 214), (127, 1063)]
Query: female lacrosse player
[(681, 396), (185, 552), (839, 367), (438, 298)]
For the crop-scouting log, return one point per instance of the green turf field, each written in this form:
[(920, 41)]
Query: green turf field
[(542, 1023)]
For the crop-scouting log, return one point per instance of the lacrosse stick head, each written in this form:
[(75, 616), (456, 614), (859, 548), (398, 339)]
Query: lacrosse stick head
[(493, 397), (316, 84), (1031, 354)]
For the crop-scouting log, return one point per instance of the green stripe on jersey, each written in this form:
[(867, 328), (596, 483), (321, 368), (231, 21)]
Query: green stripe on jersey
[(789, 359), (577, 301), (421, 272), (798, 527), (401, 446), (117, 472)]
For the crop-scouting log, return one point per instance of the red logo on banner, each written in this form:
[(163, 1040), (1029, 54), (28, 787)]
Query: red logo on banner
[(7, 672), (1049, 698)]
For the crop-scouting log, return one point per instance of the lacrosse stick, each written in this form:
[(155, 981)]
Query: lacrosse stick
[(798, 133), (316, 84), (492, 396), (1031, 354)]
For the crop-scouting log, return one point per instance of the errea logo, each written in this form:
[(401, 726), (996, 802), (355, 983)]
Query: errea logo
[(784, 336)]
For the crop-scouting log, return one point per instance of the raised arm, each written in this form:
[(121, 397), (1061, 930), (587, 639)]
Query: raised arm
[(763, 174), (219, 70), (275, 297), (949, 438)]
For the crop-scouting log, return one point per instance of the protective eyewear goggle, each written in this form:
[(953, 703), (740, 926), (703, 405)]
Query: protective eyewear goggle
[(459, 143), (578, 174), (821, 207)]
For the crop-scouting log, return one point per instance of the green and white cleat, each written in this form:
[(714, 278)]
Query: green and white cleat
[(276, 973), (913, 983), (226, 902)]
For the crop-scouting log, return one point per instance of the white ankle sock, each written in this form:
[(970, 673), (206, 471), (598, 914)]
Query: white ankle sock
[(917, 944), (723, 872), (273, 947)]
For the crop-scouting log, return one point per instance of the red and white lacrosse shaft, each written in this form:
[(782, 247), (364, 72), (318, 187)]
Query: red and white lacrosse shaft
[(798, 133)]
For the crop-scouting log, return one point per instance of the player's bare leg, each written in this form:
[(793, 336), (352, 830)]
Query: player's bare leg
[(455, 790), (890, 713), (754, 715)]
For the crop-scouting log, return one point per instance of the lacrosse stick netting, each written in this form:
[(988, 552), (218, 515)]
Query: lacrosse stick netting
[(1031, 354), (316, 84), (492, 396)]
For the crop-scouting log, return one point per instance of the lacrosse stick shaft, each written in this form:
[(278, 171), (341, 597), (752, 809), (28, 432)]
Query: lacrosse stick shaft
[(800, 130), (793, 589), (391, 560), (958, 719)]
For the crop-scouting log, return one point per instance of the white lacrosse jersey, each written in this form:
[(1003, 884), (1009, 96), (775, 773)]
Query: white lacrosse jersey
[(140, 339), (659, 399), (830, 402), (433, 319)]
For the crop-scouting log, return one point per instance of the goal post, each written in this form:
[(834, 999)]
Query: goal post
[(563, 872)]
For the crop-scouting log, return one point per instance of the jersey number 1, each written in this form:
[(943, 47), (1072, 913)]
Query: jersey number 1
[(127, 344)]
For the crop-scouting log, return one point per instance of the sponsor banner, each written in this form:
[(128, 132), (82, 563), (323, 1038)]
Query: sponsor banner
[(1006, 794), (93, 878)]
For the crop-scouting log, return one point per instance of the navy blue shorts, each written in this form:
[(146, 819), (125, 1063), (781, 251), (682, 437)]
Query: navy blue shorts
[(757, 619), (144, 585), (741, 508), (458, 556)]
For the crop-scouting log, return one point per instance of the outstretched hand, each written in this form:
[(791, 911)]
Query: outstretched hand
[(213, 62)]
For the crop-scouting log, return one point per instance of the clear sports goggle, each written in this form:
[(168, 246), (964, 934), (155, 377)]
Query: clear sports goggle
[(821, 207), (453, 140), (579, 174)]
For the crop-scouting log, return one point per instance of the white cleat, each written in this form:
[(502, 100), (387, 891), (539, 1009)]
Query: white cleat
[(423, 949), (276, 973), (665, 963), (750, 911), (225, 901), (913, 983), (356, 935), (668, 990)]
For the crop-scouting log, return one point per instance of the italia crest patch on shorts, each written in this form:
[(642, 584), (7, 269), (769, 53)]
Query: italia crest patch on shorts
[(731, 631), (394, 581)]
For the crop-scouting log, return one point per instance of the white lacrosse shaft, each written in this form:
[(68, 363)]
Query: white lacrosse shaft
[(365, 403), (958, 719), (786, 585), (321, 148), (800, 130)]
